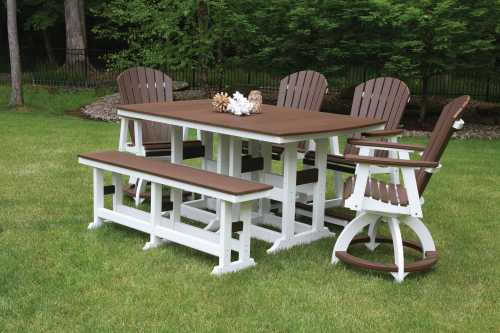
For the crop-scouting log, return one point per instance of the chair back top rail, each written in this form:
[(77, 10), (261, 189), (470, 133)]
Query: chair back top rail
[(177, 172), (146, 85)]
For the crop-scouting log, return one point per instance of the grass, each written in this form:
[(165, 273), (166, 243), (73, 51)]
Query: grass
[(57, 276)]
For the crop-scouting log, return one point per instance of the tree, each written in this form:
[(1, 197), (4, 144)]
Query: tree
[(41, 16), (437, 36), (16, 96), (76, 36)]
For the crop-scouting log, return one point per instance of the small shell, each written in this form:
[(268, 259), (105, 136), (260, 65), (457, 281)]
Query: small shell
[(255, 97)]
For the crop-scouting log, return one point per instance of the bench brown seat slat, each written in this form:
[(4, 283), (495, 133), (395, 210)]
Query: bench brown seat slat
[(177, 172)]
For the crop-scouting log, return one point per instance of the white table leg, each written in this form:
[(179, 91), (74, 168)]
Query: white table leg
[(98, 198), (223, 169), (289, 189), (176, 157), (122, 144), (139, 147), (318, 214), (235, 167), (266, 153)]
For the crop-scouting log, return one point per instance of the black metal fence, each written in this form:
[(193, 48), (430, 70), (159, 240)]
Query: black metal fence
[(89, 69)]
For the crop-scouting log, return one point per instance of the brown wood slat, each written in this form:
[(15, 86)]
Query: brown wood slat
[(377, 92), (391, 100), (348, 187), (298, 89), (150, 85), (307, 176), (178, 172), (440, 137), (384, 95), (402, 196), (308, 82), (161, 90), (375, 192), (367, 98), (357, 99), (316, 80), (384, 195), (142, 87), (393, 197), (283, 91), (290, 90)]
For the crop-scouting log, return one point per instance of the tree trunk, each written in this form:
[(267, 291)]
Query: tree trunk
[(16, 96), (424, 104), (48, 47), (75, 35)]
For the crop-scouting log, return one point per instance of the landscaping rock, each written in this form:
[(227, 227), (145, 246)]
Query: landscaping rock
[(104, 108)]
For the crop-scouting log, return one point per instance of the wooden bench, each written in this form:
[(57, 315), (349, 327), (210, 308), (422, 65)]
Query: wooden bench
[(228, 190)]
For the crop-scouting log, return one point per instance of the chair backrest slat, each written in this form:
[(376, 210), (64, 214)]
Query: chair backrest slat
[(440, 137), (380, 98), (145, 85), (303, 90)]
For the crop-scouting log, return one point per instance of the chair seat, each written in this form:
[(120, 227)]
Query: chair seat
[(379, 190), (191, 149), (333, 162)]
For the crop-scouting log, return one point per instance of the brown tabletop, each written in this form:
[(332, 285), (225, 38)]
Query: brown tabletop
[(273, 121)]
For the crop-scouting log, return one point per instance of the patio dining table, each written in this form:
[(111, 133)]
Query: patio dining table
[(275, 125)]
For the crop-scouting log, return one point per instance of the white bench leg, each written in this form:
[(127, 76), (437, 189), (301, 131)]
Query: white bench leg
[(225, 236), (118, 184), (98, 198), (156, 197)]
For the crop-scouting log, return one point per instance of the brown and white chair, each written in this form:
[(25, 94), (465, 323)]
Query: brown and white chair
[(381, 98), (303, 91), (395, 204), (145, 85)]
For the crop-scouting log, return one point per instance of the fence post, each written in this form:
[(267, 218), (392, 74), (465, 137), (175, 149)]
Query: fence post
[(193, 77)]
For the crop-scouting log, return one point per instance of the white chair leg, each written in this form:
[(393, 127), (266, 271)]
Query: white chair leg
[(399, 258), (422, 233), (350, 231), (141, 184), (372, 233)]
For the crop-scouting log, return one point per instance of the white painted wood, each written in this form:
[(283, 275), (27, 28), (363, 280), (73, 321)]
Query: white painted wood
[(98, 198), (350, 231), (289, 190), (246, 218), (117, 180), (139, 148), (397, 242), (225, 231), (122, 143), (318, 215), (156, 198)]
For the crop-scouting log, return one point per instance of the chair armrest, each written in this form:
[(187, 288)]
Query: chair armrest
[(382, 133), (385, 145), (391, 161)]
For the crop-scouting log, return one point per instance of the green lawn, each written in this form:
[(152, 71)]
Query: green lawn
[(57, 276)]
